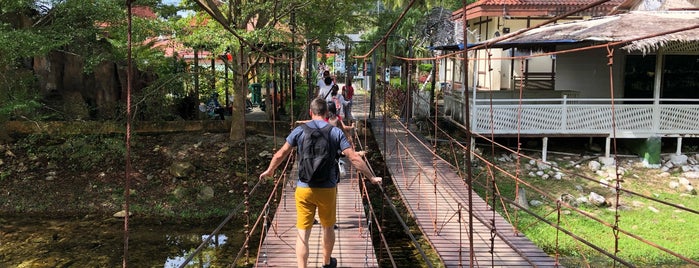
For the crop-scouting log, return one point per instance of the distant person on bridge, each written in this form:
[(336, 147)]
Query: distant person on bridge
[(320, 194), (324, 90), (348, 92)]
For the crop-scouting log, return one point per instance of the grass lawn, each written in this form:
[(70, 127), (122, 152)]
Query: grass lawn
[(665, 226)]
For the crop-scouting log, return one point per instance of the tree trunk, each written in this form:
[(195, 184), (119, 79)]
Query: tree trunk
[(240, 90)]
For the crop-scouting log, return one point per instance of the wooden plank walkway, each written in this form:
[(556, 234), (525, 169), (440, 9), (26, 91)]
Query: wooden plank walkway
[(436, 207), (353, 247)]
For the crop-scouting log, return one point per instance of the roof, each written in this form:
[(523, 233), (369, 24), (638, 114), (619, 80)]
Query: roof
[(143, 12), (622, 27), (536, 8)]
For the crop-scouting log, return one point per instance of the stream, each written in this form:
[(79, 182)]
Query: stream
[(99, 242)]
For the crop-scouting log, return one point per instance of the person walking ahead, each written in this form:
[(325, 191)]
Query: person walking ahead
[(320, 191)]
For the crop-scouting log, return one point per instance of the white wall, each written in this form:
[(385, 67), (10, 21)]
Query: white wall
[(588, 73)]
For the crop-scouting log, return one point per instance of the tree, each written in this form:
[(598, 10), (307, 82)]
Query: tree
[(255, 25)]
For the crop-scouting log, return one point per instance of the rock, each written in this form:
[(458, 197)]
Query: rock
[(594, 165), (679, 159), (264, 154), (664, 175), (543, 166), (224, 150), (604, 183), (607, 161), (122, 214), (601, 173), (692, 175), (664, 169), (597, 199), (674, 185), (558, 176), (684, 181), (668, 165), (181, 169), (655, 210), (540, 173), (545, 176), (535, 203), (582, 200), (568, 198), (206, 193), (579, 187), (179, 192)]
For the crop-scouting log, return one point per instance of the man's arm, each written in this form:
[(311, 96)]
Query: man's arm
[(358, 163), (277, 159)]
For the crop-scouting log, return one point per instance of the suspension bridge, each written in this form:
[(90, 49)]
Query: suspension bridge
[(436, 197)]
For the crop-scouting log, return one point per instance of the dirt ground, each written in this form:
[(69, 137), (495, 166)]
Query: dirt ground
[(182, 175)]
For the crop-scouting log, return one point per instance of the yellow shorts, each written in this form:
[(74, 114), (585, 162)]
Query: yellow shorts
[(308, 199)]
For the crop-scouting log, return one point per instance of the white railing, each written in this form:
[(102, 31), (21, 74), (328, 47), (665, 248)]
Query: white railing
[(634, 118)]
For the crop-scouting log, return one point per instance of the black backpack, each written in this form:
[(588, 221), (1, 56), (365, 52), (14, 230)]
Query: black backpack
[(316, 159)]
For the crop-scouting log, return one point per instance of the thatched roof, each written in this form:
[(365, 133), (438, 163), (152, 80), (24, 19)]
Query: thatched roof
[(623, 27)]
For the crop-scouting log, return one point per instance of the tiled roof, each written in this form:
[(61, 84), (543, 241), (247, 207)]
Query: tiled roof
[(533, 8), (539, 2)]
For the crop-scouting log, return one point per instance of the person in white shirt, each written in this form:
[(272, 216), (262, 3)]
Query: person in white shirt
[(324, 91)]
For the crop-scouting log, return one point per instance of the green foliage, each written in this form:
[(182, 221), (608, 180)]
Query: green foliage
[(424, 67), (80, 153), (18, 98)]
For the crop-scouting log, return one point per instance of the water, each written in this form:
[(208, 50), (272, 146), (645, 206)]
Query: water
[(98, 242)]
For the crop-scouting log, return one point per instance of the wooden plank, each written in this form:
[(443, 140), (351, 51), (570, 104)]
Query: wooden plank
[(353, 247), (432, 192)]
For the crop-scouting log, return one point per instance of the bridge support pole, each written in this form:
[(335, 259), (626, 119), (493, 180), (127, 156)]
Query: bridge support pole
[(544, 148), (472, 147), (607, 146), (679, 146)]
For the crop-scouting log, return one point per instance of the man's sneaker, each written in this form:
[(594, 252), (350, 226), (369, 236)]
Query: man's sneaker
[(333, 263)]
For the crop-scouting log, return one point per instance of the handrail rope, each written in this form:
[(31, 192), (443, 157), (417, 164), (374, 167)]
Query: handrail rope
[(484, 220), (435, 180), (375, 218), (246, 195), (519, 138), (387, 199), (694, 211), (569, 233), (615, 228), (493, 187), (278, 182), (543, 193), (264, 231), (127, 160), (372, 211), (357, 177), (217, 229), (542, 54), (589, 215)]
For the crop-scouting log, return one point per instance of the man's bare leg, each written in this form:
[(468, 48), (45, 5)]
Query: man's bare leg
[(328, 243), (302, 247)]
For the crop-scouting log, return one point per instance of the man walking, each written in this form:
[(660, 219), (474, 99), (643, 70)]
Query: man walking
[(319, 192)]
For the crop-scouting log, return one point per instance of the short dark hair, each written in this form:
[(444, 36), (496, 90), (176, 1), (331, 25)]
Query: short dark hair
[(328, 80), (326, 73), (334, 89), (319, 106)]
